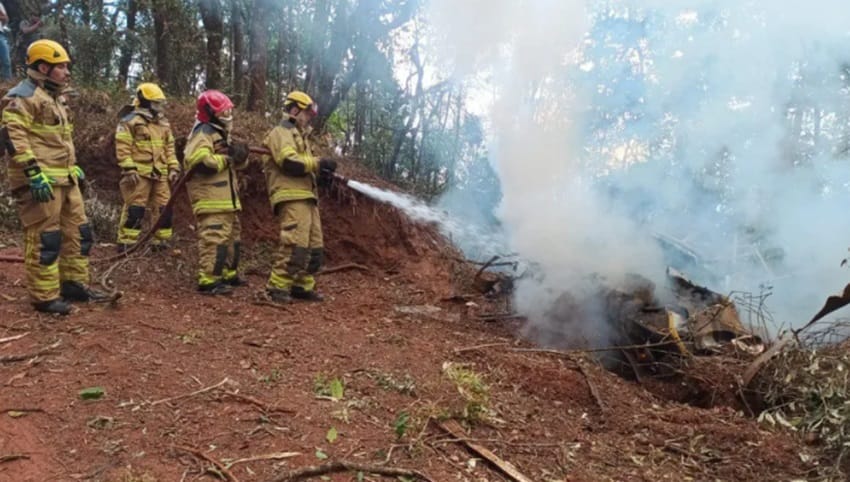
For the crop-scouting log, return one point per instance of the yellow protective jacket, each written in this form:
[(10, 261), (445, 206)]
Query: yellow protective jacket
[(213, 187), (287, 145), (144, 141), (40, 128)]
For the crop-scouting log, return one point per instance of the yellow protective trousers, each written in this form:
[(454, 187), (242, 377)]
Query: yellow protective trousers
[(150, 194), (300, 251), (57, 241), (219, 247)]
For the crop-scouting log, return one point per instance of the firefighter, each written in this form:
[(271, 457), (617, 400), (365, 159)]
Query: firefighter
[(144, 147), (44, 177), (292, 175), (213, 158)]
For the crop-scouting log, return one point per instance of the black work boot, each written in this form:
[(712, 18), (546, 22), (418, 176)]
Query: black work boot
[(76, 291), (236, 281), (300, 293), (278, 296), (57, 306), (215, 289)]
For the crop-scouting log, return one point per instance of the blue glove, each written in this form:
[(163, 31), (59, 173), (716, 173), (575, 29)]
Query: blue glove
[(41, 186), (78, 173)]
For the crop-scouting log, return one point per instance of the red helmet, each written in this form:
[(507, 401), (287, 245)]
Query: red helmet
[(211, 103)]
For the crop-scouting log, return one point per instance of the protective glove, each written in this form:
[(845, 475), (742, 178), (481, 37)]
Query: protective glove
[(327, 167), (238, 152), (131, 175), (41, 186), (173, 176), (78, 173)]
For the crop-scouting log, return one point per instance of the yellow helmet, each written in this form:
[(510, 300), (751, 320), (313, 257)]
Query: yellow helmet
[(46, 51), (148, 91), (302, 100)]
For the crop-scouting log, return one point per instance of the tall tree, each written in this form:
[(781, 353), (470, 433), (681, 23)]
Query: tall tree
[(214, 26), (259, 44), (128, 43), (160, 12), (236, 48)]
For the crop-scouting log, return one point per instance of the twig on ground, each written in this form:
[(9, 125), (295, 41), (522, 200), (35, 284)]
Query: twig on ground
[(12, 457), (11, 259), (13, 338), (22, 410), (347, 466), (28, 356), (279, 306), (343, 267), (218, 465), (256, 458), (196, 392), (479, 347), (453, 428)]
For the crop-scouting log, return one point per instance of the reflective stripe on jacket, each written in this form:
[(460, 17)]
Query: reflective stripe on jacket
[(40, 128), (145, 142), (286, 142), (213, 187)]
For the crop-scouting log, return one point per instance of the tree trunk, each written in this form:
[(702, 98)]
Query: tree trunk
[(237, 49), (259, 54), (160, 27), (214, 27), (127, 45)]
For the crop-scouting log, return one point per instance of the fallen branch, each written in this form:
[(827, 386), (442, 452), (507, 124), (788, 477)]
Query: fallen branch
[(11, 259), (592, 387), (343, 267), (218, 465), (13, 338), (12, 457), (197, 392), (485, 266), (346, 466), (454, 429), (256, 458), (28, 356)]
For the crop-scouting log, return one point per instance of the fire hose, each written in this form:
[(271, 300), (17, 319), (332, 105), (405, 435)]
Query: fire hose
[(166, 211)]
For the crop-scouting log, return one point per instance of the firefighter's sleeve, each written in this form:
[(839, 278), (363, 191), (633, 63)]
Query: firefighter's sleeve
[(170, 153), (124, 146), (200, 152), (18, 118), (281, 144)]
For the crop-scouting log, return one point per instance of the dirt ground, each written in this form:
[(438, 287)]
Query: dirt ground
[(368, 376)]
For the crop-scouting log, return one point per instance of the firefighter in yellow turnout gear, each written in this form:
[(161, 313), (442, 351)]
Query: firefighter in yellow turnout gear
[(292, 175), (213, 191), (44, 178), (144, 147)]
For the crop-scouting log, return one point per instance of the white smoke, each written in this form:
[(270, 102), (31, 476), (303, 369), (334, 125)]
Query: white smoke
[(616, 120)]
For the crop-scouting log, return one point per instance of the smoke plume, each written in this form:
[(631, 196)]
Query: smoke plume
[(718, 124)]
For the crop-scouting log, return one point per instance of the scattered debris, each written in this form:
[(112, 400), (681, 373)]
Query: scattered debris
[(347, 466), (196, 392), (454, 429)]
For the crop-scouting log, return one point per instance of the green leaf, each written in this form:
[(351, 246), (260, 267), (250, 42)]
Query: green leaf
[(337, 389), (401, 424), (92, 393), (360, 477), (332, 435), (321, 455)]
